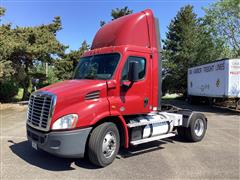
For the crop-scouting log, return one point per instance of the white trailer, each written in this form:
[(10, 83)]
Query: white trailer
[(216, 80)]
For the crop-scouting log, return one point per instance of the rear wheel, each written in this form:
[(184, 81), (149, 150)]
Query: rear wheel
[(103, 144), (196, 130)]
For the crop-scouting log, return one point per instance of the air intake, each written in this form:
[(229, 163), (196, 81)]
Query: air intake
[(92, 95)]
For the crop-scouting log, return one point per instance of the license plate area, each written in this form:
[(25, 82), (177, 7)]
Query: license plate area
[(34, 145)]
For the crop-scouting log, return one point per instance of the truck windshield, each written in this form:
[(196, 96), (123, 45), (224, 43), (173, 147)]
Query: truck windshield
[(97, 67)]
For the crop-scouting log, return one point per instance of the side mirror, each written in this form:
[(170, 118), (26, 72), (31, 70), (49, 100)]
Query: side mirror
[(133, 71)]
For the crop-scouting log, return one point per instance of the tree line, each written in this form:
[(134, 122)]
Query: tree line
[(192, 41), (28, 53)]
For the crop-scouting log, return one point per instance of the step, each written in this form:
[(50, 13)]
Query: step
[(141, 141), (131, 125)]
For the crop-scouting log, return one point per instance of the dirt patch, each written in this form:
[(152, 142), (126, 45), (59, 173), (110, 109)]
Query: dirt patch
[(15, 106)]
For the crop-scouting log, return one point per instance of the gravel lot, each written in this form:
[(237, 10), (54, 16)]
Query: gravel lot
[(216, 157)]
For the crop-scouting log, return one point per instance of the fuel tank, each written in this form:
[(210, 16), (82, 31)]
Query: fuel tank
[(153, 125)]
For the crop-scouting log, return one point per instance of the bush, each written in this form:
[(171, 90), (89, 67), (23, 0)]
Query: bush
[(8, 89)]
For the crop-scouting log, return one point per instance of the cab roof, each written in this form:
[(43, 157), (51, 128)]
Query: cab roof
[(136, 29)]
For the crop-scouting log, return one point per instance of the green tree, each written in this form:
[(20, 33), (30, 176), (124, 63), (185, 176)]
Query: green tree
[(6, 69), (117, 13), (2, 12), (40, 74), (65, 66), (187, 44), (180, 48), (8, 87), (222, 19), (23, 47), (208, 48)]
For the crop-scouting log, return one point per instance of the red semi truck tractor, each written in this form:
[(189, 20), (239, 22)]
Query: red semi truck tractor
[(113, 99)]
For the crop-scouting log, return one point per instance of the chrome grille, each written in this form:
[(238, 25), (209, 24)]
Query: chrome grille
[(40, 109)]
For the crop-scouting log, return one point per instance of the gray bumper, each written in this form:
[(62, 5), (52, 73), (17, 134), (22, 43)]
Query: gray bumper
[(63, 144)]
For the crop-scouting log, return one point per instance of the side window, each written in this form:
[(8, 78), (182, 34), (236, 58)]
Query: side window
[(141, 67)]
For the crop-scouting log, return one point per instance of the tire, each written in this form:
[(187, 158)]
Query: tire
[(103, 144), (196, 130)]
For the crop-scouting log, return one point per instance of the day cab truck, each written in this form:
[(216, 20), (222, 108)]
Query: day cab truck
[(113, 99), (215, 82)]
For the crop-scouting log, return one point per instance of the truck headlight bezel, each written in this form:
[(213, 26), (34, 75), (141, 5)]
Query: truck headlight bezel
[(68, 121)]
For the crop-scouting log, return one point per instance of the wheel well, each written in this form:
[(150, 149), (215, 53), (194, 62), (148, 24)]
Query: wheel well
[(117, 122)]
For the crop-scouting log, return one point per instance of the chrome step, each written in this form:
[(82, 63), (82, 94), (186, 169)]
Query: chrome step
[(141, 141), (131, 125)]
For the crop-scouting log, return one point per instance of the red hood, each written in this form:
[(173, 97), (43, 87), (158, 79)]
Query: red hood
[(74, 89), (71, 95)]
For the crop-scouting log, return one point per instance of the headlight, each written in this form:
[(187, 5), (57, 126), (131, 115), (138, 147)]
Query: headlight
[(66, 122)]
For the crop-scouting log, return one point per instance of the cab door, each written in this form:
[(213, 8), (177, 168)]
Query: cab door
[(136, 96)]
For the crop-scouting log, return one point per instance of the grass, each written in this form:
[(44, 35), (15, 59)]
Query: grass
[(172, 96), (19, 95)]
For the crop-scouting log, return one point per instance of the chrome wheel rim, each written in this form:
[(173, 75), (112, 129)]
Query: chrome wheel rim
[(109, 144), (199, 127)]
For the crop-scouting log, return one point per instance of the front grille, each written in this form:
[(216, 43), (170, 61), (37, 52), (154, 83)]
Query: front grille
[(40, 109)]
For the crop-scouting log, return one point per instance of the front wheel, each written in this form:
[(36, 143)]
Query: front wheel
[(196, 129), (103, 144)]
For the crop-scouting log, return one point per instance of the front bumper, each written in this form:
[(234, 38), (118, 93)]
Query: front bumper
[(69, 144)]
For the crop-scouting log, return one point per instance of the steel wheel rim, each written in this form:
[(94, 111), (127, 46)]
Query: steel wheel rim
[(199, 127), (109, 144)]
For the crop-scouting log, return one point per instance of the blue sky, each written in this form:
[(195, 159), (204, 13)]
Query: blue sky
[(80, 18)]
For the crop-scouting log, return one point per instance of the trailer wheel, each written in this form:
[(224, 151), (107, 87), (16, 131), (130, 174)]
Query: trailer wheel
[(196, 130), (103, 144)]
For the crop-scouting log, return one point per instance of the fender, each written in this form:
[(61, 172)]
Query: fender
[(124, 125), (188, 115), (194, 116), (99, 117), (104, 115)]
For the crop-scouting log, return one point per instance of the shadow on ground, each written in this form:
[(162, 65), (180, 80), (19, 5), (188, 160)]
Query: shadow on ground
[(44, 160), (141, 149), (50, 162)]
